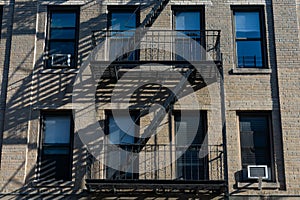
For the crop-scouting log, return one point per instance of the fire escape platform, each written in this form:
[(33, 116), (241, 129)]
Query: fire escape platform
[(95, 185), (106, 69), (176, 63)]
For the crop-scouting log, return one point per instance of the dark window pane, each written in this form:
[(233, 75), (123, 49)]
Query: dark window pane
[(63, 20), (53, 150), (62, 48), (187, 20), (257, 124), (255, 140), (62, 33), (189, 166), (247, 24), (123, 21), (249, 53), (55, 167), (247, 138)]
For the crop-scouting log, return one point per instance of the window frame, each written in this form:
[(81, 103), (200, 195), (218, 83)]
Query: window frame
[(108, 114), (70, 145), (123, 9), (262, 22), (268, 115), (203, 133), (62, 9), (186, 8)]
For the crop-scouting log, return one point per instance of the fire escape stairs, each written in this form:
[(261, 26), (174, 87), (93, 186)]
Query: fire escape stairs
[(164, 109), (154, 13), (158, 118)]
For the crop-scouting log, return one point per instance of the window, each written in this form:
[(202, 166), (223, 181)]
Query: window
[(188, 22), (249, 37), (189, 165), (255, 140), (122, 24), (62, 37), (56, 146), (121, 133)]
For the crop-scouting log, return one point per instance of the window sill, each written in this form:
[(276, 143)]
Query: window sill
[(53, 183), (59, 71), (252, 185), (251, 71), (72, 2)]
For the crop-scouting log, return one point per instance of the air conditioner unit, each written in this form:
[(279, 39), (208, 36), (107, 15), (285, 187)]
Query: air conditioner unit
[(61, 60), (257, 171)]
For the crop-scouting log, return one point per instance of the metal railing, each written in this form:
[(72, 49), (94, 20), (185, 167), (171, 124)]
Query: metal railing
[(250, 61), (159, 45), (158, 162)]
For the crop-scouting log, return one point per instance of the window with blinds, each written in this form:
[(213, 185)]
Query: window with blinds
[(255, 139), (189, 165)]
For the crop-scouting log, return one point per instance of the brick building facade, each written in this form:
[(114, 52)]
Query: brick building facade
[(211, 86)]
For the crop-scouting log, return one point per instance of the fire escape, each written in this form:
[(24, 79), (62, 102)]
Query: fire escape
[(152, 45)]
